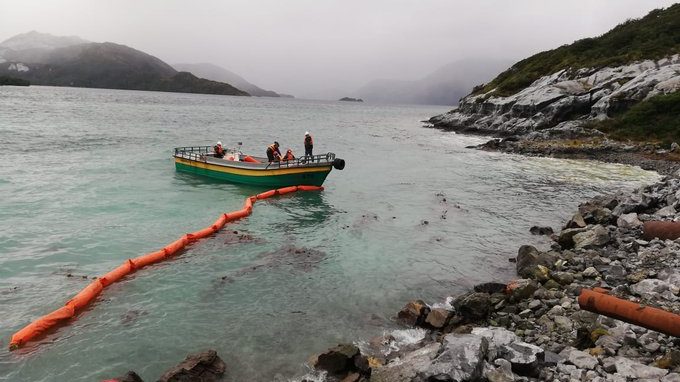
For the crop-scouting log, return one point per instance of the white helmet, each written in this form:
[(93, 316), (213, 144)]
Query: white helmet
[(306, 132), (219, 143)]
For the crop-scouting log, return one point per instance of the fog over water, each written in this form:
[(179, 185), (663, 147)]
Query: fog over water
[(310, 48)]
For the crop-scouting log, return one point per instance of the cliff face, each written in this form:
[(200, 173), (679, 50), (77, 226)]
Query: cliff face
[(566, 95)]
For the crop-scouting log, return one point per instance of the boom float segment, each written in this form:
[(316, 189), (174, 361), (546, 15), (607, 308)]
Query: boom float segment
[(90, 292)]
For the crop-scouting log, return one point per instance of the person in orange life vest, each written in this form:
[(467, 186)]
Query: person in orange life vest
[(219, 151), (309, 144), (273, 153), (289, 155)]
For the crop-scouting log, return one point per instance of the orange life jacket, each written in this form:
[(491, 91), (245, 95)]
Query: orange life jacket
[(289, 156), (309, 141), (275, 151)]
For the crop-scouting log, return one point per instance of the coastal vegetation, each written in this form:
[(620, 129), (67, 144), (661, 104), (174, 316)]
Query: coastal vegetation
[(654, 36), (656, 119), (4, 80)]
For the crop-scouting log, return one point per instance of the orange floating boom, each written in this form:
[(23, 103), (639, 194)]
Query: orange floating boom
[(628, 311), (90, 292)]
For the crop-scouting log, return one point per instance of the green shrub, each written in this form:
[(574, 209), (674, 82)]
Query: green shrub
[(656, 119), (654, 36)]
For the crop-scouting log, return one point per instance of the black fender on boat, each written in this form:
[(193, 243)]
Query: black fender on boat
[(338, 163)]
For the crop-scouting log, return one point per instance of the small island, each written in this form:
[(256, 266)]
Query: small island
[(13, 81), (349, 99)]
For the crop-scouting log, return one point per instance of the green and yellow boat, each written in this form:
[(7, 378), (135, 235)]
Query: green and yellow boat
[(236, 167)]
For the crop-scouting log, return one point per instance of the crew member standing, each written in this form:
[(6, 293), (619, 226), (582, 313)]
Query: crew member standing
[(309, 144), (273, 153)]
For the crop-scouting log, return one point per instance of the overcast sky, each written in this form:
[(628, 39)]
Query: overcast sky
[(306, 47)]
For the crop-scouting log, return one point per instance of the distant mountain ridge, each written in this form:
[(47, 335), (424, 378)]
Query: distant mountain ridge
[(218, 73), (44, 59), (445, 86)]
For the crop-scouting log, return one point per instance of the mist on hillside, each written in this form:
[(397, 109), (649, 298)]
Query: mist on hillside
[(326, 49)]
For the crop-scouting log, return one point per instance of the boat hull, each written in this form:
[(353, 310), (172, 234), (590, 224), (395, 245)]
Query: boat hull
[(279, 177)]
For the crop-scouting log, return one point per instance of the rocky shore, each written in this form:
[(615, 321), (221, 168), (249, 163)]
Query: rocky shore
[(554, 115), (589, 145), (532, 329)]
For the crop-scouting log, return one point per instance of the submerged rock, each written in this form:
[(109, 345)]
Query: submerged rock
[(130, 376), (337, 360), (414, 313), (536, 230), (205, 366)]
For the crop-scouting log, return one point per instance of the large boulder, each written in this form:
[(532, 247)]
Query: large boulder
[(413, 313), (497, 337), (533, 264), (629, 221), (576, 221), (407, 367), (461, 358), (205, 366), (630, 369), (438, 317), (522, 289), (650, 286), (473, 306), (566, 237), (582, 360), (594, 237), (525, 358), (337, 360)]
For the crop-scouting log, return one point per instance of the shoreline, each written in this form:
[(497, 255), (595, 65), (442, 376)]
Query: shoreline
[(533, 328), (575, 143)]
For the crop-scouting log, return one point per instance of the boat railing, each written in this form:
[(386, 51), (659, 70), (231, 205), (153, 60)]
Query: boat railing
[(197, 153), (304, 160), (200, 153)]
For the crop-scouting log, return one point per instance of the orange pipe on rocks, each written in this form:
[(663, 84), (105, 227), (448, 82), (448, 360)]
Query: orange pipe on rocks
[(628, 311), (90, 292), (664, 230)]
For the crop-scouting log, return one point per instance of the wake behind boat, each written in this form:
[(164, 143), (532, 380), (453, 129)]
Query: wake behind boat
[(237, 167)]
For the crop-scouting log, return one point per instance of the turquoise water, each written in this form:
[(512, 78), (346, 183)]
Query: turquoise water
[(87, 181)]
